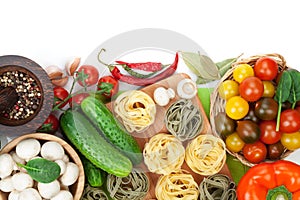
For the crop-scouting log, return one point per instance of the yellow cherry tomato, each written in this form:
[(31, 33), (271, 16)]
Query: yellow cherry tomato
[(242, 71), (228, 89), (236, 107), (291, 141), (269, 89), (234, 143)]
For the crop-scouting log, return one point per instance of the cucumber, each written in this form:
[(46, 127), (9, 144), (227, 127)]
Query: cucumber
[(104, 120), (94, 175), (85, 137)]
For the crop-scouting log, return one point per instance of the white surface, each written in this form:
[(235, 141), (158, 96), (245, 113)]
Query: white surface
[(50, 32)]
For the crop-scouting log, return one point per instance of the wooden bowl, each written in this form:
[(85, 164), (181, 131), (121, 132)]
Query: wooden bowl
[(11, 127), (77, 188)]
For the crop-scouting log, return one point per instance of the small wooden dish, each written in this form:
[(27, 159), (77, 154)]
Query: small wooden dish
[(77, 188), (30, 124)]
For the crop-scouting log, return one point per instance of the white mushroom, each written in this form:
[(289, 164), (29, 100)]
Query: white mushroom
[(52, 151), (62, 166), (63, 195), (28, 148), (162, 96), (14, 195), (22, 181), (71, 174), (16, 159), (30, 193), (6, 184), (6, 166), (187, 88), (49, 190), (66, 158)]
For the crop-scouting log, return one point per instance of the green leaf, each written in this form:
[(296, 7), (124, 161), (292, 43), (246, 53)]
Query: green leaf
[(202, 66), (225, 65), (295, 88), (204, 96), (42, 170), (236, 168)]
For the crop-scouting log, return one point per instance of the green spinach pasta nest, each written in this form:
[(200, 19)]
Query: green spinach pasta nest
[(184, 120)]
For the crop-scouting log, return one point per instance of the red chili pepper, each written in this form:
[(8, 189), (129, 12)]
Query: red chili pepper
[(145, 81), (145, 66), (270, 181)]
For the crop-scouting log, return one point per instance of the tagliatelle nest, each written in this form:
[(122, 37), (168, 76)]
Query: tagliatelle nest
[(206, 154), (164, 154)]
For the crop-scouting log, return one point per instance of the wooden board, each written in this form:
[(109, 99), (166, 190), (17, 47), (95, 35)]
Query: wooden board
[(159, 127)]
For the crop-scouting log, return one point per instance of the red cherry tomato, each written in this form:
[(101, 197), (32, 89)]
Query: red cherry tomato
[(251, 89), (108, 85), (60, 94), (50, 125), (89, 74), (268, 133), (77, 99), (289, 121), (266, 69), (255, 152)]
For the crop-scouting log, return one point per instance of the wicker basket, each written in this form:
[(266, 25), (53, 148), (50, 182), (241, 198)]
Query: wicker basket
[(218, 104)]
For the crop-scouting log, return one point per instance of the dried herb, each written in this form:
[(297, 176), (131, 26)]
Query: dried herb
[(225, 65), (42, 170), (282, 93), (295, 88)]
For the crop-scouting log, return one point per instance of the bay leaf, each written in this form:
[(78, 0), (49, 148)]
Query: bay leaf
[(225, 65), (202, 66), (236, 168)]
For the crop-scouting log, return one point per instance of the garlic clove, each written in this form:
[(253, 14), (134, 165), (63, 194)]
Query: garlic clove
[(54, 72), (187, 88), (60, 81), (72, 66)]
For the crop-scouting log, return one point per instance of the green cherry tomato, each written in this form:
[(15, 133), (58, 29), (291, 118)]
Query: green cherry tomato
[(228, 89), (266, 108), (242, 71), (234, 143), (236, 107), (256, 152), (224, 124), (251, 89), (248, 131), (291, 141), (269, 89)]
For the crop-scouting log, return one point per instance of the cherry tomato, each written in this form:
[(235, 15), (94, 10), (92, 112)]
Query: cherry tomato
[(291, 141), (275, 151), (248, 131), (256, 152), (224, 124), (266, 108), (77, 99), (50, 125), (269, 135), (89, 74), (251, 88), (289, 121), (236, 107), (228, 89), (108, 85), (269, 89), (234, 143), (298, 108), (60, 94), (251, 114), (242, 71), (266, 69)]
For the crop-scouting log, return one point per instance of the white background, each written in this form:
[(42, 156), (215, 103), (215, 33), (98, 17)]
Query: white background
[(50, 32)]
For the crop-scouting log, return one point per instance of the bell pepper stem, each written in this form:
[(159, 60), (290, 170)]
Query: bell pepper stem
[(279, 193)]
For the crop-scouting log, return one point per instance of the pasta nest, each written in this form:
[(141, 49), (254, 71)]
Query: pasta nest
[(164, 154), (206, 154), (136, 109)]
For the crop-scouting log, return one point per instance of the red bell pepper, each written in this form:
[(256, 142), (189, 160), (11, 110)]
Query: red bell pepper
[(271, 181)]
